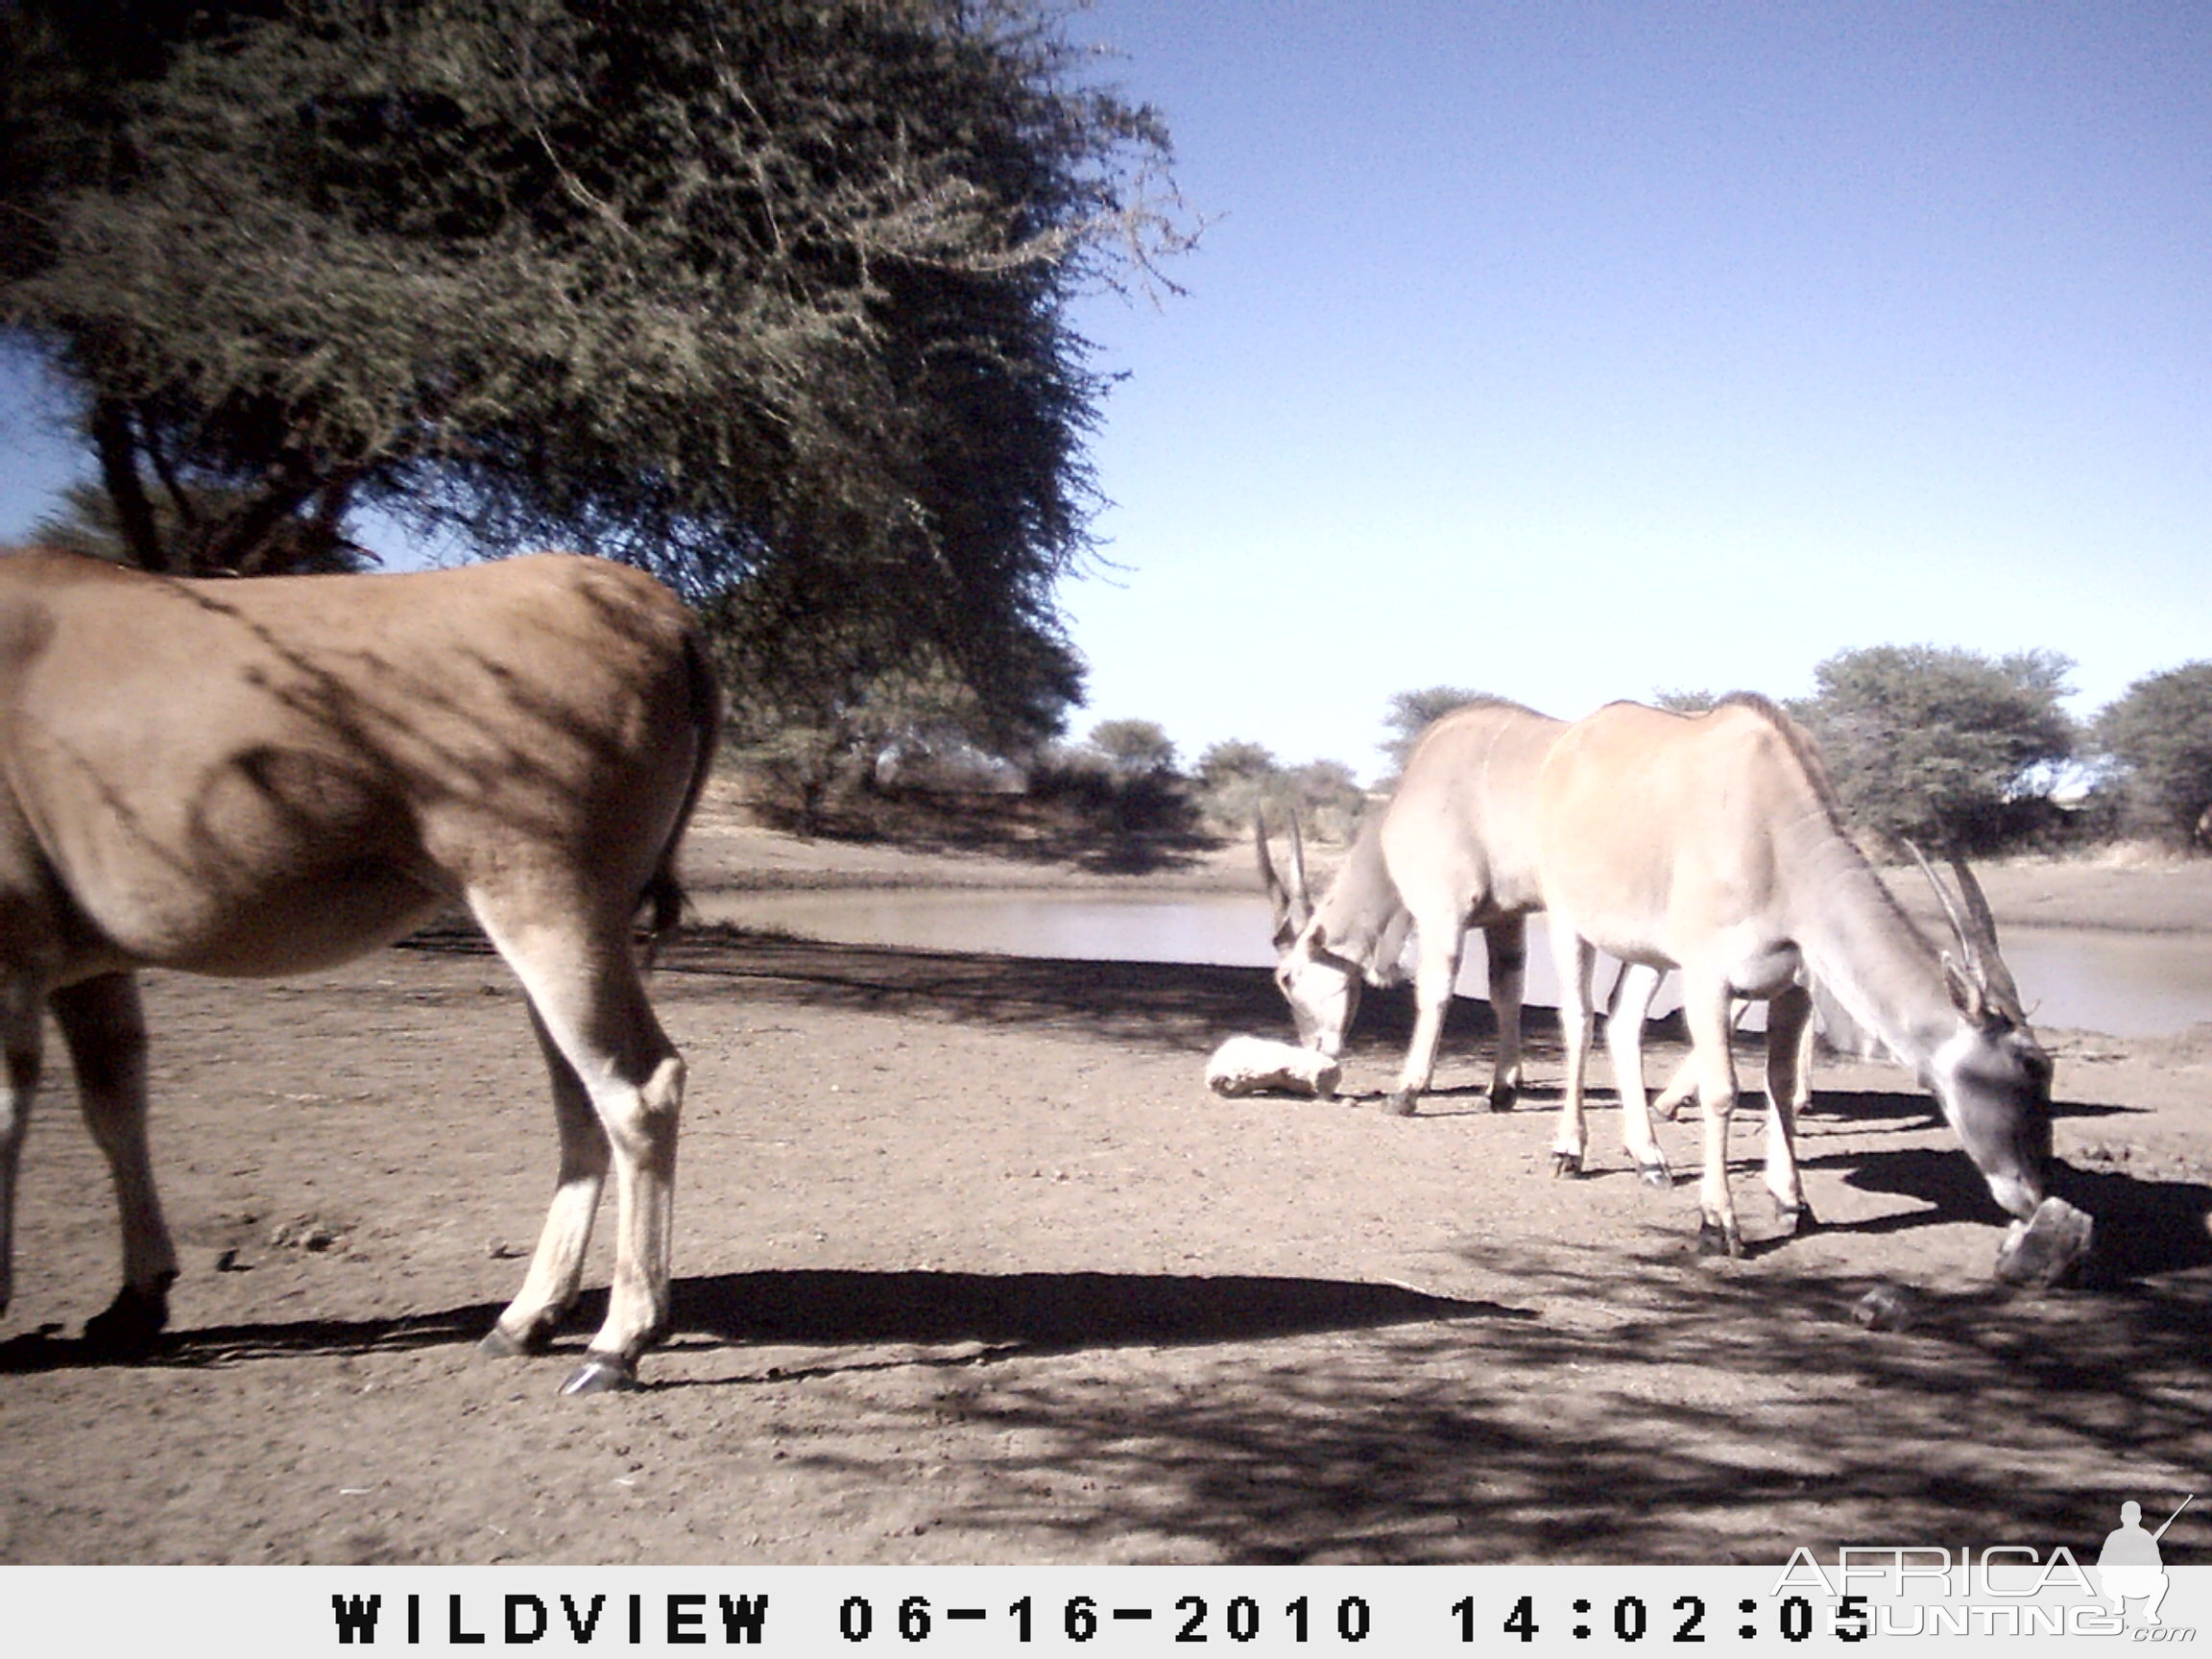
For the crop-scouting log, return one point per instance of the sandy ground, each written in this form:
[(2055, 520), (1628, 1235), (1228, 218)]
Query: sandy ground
[(971, 1268)]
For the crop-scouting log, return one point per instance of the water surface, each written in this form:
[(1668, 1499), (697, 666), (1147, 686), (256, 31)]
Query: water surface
[(2127, 984)]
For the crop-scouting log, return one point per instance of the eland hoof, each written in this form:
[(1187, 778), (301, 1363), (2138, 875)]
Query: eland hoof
[(603, 1374), (1796, 1220), (1656, 1175), (130, 1326), (1503, 1099), (497, 1344), (1714, 1239), (1399, 1102), (1566, 1163)]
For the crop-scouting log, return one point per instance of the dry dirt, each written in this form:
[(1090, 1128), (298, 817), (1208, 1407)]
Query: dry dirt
[(971, 1268)]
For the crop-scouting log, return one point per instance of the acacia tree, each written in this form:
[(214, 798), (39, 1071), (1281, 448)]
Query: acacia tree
[(87, 522), (1134, 748), (719, 287), (1412, 712), (1238, 780), (821, 689), (2160, 733), (1940, 745)]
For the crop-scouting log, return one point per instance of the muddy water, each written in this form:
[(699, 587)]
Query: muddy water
[(2127, 984)]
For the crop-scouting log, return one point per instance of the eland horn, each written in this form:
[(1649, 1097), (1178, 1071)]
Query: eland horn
[(1976, 931), (1298, 866), (1994, 971), (1292, 907)]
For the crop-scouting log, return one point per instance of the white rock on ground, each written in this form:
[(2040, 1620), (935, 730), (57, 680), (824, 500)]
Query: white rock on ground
[(1258, 1064)]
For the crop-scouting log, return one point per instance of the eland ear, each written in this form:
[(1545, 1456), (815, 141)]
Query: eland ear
[(1966, 992)]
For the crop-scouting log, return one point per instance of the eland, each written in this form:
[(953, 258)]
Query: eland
[(1453, 848), (269, 775), (1713, 843)]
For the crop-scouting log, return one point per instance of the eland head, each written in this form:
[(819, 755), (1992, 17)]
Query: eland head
[(1326, 953), (1991, 1076)]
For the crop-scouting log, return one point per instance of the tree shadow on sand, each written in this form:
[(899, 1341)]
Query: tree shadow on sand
[(1659, 1411), (1622, 1402), (1175, 1005)]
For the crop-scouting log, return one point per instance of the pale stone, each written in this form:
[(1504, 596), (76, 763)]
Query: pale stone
[(1256, 1064)]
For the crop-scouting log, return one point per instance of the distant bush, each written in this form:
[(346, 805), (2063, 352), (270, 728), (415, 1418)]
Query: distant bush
[(1108, 798), (1238, 780), (1943, 746), (2159, 738), (1414, 712)]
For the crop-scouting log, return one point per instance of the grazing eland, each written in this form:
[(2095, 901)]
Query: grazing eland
[(1713, 843), (1454, 835), (269, 775), (1453, 848)]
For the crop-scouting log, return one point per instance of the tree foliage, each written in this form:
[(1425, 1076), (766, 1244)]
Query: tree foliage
[(1134, 748), (1238, 780), (1940, 745), (1233, 759), (720, 287), (1412, 712), (1328, 797), (2160, 734), (821, 693), (87, 522)]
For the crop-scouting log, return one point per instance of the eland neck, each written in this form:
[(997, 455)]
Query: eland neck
[(1858, 942), (1360, 904)]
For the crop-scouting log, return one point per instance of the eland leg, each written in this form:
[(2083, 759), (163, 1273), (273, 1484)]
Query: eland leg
[(1575, 958), (104, 1027), (557, 1266), (1506, 946), (19, 1045), (1433, 975), (1624, 1042), (1682, 1087), (586, 993), (1705, 1007), (1789, 1087)]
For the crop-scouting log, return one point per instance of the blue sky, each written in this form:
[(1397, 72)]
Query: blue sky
[(1571, 350)]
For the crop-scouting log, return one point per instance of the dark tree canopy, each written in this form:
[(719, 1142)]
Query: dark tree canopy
[(720, 287), (2160, 733), (1940, 745), (87, 522)]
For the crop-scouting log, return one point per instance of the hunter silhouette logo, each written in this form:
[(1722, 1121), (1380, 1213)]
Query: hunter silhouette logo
[(2129, 1566), (2003, 1589)]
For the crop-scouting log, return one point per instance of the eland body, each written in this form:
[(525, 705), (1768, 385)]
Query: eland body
[(269, 776), (1711, 842)]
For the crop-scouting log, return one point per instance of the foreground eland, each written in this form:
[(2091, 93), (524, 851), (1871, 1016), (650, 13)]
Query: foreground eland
[(1453, 848), (263, 777), (1713, 843)]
